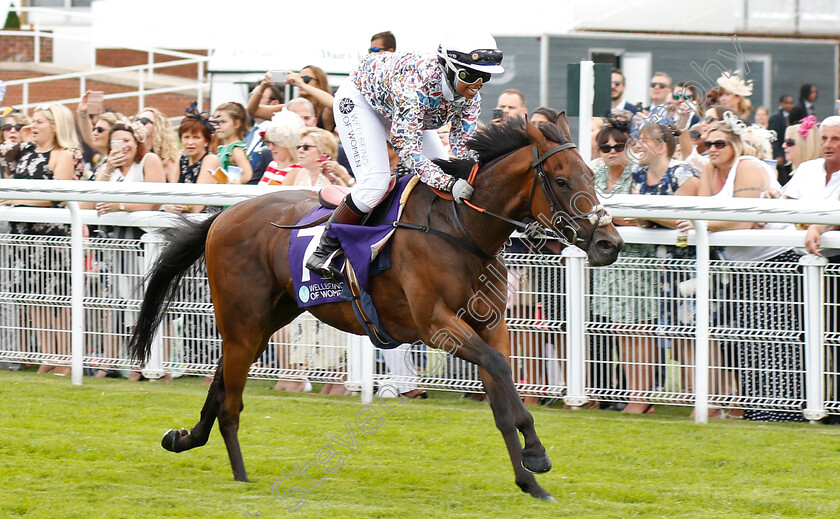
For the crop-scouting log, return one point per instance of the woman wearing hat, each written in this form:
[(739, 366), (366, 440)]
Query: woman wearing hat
[(735, 93), (401, 98)]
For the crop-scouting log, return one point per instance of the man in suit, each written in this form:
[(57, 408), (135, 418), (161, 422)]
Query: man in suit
[(617, 85), (805, 106), (779, 122)]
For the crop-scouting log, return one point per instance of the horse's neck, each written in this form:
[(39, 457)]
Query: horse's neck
[(488, 232)]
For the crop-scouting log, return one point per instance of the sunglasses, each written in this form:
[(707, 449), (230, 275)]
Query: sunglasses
[(8, 127), (658, 85), (142, 120), (605, 148), (307, 79), (470, 77), (694, 134), (718, 145), (616, 83), (710, 119), (306, 147), (98, 129), (789, 143), (677, 97), (374, 50)]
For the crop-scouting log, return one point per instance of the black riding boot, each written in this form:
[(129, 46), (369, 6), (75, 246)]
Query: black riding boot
[(320, 262)]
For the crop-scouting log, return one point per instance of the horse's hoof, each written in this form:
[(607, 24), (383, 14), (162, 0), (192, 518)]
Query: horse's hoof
[(536, 464), (547, 497), (170, 437)]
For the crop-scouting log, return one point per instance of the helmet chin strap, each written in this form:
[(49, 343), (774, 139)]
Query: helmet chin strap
[(449, 74)]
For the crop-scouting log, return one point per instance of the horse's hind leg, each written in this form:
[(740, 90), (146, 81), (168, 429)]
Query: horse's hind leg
[(245, 337), (182, 440), (236, 363)]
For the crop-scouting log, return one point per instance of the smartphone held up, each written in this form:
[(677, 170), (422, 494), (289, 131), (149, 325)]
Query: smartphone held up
[(279, 76), (95, 102)]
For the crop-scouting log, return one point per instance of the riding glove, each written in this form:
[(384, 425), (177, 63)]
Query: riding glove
[(461, 190)]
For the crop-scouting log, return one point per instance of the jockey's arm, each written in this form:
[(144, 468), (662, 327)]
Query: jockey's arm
[(463, 126), (407, 136)]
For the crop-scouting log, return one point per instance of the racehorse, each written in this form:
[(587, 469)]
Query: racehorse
[(524, 171)]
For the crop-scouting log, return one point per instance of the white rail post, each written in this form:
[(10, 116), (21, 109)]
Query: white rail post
[(367, 351), (77, 294), (151, 65), (586, 97), (25, 98), (813, 276), (701, 346), (141, 94), (152, 245), (354, 363), (199, 93), (37, 42), (575, 326)]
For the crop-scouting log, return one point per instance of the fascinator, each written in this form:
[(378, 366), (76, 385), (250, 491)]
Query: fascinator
[(203, 117), (806, 125), (736, 85)]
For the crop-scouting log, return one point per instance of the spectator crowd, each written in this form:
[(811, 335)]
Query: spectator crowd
[(686, 142)]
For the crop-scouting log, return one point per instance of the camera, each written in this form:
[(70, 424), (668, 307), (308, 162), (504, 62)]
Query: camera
[(279, 76)]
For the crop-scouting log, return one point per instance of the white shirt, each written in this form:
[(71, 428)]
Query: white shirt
[(619, 104), (808, 182)]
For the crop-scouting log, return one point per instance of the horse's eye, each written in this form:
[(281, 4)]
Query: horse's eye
[(561, 182)]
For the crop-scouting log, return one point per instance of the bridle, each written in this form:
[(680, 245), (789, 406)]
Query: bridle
[(599, 215)]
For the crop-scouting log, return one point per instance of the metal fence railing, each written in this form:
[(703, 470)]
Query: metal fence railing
[(631, 331)]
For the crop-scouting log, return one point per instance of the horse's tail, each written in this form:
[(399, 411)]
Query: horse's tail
[(186, 246)]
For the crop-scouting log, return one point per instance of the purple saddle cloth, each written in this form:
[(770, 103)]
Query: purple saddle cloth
[(365, 246)]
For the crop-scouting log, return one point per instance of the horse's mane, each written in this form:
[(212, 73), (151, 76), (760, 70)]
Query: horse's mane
[(496, 140)]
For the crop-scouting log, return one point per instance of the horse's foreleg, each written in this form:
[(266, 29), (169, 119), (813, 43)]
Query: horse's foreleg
[(534, 457), (456, 337), (182, 440)]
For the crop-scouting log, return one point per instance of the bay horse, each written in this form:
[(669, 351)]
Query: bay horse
[(524, 171)]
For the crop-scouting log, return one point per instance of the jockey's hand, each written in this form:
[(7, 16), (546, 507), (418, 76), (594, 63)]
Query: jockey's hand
[(462, 190)]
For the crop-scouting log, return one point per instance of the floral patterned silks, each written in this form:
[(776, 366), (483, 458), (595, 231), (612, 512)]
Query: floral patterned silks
[(410, 90)]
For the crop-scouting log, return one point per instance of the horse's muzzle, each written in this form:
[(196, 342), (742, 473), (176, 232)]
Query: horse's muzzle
[(605, 245)]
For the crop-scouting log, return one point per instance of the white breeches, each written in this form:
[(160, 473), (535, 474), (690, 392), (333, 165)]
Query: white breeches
[(364, 133)]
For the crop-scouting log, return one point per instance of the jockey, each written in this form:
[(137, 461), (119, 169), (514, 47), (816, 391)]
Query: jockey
[(402, 98)]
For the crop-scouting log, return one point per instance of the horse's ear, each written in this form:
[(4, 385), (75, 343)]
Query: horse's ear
[(563, 124), (534, 133)]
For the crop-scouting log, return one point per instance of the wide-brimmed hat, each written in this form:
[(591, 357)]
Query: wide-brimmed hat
[(736, 85)]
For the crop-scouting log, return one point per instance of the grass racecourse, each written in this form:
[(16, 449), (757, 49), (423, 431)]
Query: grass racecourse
[(94, 452)]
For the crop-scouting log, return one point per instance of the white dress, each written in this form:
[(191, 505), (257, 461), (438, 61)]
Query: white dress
[(728, 191)]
